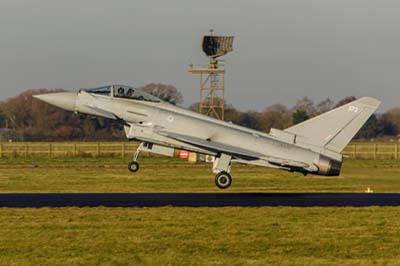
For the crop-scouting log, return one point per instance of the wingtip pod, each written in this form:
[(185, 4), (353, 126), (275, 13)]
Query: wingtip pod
[(369, 101)]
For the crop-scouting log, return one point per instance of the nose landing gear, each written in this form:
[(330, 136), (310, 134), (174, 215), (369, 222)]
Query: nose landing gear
[(134, 165)]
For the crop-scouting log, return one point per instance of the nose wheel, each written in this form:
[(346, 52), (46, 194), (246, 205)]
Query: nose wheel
[(133, 167), (223, 180)]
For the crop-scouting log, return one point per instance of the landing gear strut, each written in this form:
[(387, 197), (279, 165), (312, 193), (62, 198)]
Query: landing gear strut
[(222, 167), (223, 180), (134, 165)]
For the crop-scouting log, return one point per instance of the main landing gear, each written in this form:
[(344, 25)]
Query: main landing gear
[(222, 167), (134, 165), (223, 180)]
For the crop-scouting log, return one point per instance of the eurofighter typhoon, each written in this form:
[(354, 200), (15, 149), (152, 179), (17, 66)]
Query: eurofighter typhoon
[(313, 146)]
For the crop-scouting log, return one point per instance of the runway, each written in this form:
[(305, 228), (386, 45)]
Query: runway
[(36, 200)]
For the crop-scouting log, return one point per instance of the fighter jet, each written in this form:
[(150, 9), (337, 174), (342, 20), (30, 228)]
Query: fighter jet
[(311, 147)]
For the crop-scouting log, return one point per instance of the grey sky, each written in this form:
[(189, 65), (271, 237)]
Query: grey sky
[(284, 50)]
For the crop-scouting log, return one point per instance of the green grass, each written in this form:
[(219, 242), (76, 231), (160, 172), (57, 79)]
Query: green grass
[(194, 236), (164, 174), (200, 236)]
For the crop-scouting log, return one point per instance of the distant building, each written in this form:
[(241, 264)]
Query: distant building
[(9, 135)]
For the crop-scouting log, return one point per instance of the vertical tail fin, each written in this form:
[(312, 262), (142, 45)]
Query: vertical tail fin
[(333, 130)]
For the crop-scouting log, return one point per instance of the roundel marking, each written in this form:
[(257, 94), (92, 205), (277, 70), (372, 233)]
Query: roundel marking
[(170, 118)]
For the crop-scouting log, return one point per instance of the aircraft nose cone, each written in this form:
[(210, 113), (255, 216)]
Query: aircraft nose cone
[(64, 100)]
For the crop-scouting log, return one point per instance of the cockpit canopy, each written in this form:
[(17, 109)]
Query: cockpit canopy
[(122, 91)]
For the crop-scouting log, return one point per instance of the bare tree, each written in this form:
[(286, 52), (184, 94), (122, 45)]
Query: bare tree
[(165, 92), (306, 105), (275, 116), (324, 106), (345, 100)]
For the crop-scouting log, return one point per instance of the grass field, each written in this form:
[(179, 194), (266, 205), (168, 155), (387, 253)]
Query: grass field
[(200, 236), (164, 174), (195, 236)]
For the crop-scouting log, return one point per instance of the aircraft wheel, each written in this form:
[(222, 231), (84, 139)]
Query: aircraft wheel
[(133, 167), (223, 180)]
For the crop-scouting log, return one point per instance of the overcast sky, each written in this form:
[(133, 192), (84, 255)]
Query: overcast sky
[(283, 50)]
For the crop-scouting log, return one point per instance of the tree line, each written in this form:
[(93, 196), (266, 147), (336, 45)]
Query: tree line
[(34, 120)]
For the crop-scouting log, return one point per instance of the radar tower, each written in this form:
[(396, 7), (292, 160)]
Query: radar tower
[(212, 78)]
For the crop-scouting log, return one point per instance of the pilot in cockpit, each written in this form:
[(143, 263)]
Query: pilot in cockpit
[(121, 92), (129, 93)]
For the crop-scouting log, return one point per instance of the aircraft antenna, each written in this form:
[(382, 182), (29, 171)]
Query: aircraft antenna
[(212, 77)]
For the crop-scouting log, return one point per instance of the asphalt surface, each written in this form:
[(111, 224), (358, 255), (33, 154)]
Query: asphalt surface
[(36, 200)]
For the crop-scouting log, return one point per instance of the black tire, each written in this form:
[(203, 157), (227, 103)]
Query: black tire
[(223, 180), (133, 167)]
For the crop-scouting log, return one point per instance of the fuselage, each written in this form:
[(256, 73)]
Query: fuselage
[(313, 146), (146, 119)]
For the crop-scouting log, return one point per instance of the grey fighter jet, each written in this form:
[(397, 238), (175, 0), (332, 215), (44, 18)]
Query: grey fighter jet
[(313, 146)]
